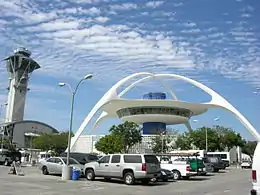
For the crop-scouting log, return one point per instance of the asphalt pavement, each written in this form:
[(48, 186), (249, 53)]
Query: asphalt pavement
[(229, 182)]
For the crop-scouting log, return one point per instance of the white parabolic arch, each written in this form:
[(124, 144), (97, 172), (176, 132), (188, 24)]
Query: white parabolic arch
[(217, 101)]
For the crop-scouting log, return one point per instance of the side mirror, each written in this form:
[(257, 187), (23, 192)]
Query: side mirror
[(60, 163)]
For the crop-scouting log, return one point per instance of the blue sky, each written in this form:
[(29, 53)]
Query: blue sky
[(215, 42)]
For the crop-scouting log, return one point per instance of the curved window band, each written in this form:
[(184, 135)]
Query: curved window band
[(154, 110)]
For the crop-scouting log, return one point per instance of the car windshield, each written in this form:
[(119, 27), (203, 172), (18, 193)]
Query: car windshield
[(72, 161)]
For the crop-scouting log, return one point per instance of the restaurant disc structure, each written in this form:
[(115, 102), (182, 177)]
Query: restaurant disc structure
[(154, 111)]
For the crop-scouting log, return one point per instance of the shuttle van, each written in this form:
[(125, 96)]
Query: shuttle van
[(256, 171)]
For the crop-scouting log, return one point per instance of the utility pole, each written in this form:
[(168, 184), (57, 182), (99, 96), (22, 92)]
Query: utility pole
[(206, 139)]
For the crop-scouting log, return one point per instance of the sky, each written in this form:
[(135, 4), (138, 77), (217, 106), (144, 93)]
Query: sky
[(215, 42)]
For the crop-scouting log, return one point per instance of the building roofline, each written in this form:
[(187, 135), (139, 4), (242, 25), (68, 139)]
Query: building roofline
[(31, 121)]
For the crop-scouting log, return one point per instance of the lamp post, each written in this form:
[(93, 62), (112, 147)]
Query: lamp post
[(162, 134), (206, 132), (66, 170)]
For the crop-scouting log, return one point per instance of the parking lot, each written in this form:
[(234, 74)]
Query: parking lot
[(231, 181)]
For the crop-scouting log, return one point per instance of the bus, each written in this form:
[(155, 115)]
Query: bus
[(221, 155)]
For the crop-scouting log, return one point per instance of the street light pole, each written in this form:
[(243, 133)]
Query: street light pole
[(71, 123), (206, 139), (162, 142), (66, 170), (206, 132)]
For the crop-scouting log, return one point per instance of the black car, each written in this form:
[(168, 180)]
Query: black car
[(82, 158), (165, 175), (216, 162)]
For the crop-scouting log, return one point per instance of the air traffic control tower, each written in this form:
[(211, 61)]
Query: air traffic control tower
[(19, 66)]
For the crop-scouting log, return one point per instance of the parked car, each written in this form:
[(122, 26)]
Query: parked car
[(180, 168), (246, 164), (129, 167), (208, 166), (82, 158), (196, 164), (165, 175), (54, 165), (216, 162)]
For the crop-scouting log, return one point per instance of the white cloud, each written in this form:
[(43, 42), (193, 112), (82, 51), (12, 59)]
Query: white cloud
[(93, 11), (178, 4), (216, 35), (124, 6), (77, 34), (55, 25), (188, 31), (245, 15), (87, 1), (69, 40), (154, 4), (102, 19)]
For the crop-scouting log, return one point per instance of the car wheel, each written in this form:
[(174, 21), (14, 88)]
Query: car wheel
[(45, 170), (90, 175), (129, 178), (176, 175)]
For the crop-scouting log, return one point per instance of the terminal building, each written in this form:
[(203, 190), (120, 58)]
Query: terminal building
[(86, 143), (154, 111)]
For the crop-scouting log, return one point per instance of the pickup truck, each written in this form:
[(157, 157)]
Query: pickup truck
[(180, 169)]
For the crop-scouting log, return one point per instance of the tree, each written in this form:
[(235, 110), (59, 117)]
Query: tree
[(218, 138), (110, 144), (159, 144), (55, 142), (164, 142), (249, 148), (129, 132), (228, 138), (61, 142), (198, 138), (184, 142)]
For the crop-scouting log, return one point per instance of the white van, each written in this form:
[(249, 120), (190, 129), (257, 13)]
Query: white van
[(256, 171)]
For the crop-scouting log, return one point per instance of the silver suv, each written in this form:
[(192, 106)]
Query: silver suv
[(129, 167)]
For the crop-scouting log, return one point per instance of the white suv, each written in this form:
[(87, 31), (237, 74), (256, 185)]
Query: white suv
[(129, 167)]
